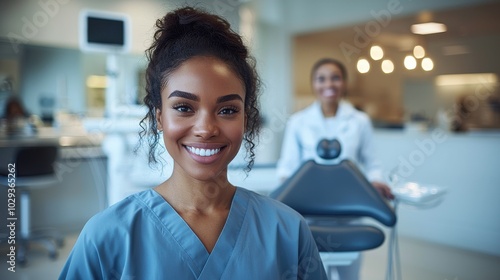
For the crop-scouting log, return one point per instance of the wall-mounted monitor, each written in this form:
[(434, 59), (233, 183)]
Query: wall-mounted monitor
[(104, 32)]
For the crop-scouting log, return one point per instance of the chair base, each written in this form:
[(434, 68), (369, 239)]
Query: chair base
[(331, 262), (49, 240)]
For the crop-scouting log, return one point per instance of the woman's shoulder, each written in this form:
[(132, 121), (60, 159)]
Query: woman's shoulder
[(118, 216), (270, 206), (347, 110), (304, 115)]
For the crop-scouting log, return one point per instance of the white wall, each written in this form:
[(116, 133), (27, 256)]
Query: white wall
[(55, 22), (272, 49), (467, 165), (54, 73)]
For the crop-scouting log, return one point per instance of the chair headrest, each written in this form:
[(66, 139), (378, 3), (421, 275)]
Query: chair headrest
[(329, 149), (334, 190)]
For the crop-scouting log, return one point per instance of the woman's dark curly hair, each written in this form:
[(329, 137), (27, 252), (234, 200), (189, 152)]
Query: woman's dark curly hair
[(185, 33)]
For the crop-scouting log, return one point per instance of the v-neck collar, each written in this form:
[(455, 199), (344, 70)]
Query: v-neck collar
[(204, 265)]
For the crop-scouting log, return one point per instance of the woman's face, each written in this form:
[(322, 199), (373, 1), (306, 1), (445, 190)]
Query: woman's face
[(202, 117), (328, 83)]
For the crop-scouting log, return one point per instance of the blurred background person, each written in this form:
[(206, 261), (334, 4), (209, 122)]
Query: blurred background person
[(16, 119), (14, 109), (331, 117)]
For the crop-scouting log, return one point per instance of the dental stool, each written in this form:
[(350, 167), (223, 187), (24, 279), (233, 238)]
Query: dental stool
[(34, 169)]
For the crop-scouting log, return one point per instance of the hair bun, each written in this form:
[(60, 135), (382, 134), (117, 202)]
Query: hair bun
[(185, 16)]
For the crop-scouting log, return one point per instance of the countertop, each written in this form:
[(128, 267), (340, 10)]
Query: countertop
[(72, 145)]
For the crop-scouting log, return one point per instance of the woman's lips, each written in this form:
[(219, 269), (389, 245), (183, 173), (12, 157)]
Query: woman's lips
[(329, 93)]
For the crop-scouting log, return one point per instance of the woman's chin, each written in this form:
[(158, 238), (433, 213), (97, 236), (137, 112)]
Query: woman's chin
[(208, 174), (331, 99)]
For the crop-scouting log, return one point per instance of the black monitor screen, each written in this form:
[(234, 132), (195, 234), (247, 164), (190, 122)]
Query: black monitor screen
[(105, 31)]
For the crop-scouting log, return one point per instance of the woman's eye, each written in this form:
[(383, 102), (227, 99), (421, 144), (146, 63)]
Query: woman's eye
[(321, 79), (228, 111), (336, 78), (182, 108)]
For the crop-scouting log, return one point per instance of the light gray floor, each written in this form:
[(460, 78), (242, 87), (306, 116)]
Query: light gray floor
[(419, 260), (423, 260)]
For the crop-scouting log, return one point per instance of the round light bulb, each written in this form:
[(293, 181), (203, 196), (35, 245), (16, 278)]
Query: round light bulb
[(410, 62), (427, 64), (387, 66), (418, 51), (363, 66), (376, 52)]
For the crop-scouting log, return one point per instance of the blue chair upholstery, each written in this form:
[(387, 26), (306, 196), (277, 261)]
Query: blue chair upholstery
[(329, 195)]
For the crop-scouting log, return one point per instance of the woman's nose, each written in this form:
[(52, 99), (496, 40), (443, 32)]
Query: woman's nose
[(206, 126), (328, 83)]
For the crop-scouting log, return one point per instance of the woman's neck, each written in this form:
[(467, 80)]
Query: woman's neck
[(187, 194), (329, 109)]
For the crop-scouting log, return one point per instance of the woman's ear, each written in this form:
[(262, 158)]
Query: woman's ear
[(159, 125)]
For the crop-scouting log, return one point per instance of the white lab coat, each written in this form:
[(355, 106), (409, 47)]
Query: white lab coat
[(352, 128)]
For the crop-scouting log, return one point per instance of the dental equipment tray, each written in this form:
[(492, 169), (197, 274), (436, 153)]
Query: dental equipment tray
[(415, 193)]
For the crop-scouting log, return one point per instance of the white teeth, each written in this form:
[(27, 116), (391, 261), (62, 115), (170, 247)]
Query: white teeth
[(203, 152), (329, 93)]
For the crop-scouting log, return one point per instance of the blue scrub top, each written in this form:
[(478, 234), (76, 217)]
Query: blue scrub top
[(143, 237)]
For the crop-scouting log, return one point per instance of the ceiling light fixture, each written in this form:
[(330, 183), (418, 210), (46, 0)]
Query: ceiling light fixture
[(427, 64), (428, 28), (363, 66), (387, 66), (466, 79), (418, 51), (376, 52), (410, 62)]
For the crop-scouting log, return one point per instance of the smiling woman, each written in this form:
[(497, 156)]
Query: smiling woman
[(202, 111), (202, 91)]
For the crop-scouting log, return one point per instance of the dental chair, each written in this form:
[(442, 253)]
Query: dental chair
[(332, 198)]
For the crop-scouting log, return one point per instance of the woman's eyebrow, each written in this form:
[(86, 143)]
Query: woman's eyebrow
[(190, 96), (184, 94), (229, 97)]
